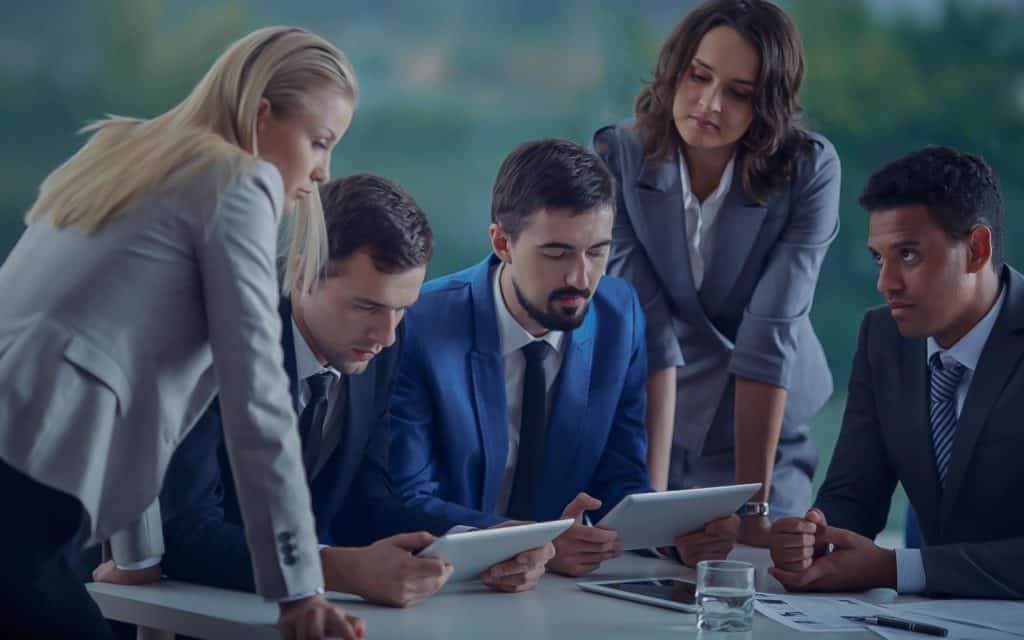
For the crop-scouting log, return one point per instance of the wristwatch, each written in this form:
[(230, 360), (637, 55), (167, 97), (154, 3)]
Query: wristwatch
[(753, 509)]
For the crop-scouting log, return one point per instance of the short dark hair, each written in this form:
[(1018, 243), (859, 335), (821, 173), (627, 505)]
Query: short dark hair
[(775, 138), (959, 190), (548, 173), (372, 212)]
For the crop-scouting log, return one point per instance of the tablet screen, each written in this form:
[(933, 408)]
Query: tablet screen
[(671, 589)]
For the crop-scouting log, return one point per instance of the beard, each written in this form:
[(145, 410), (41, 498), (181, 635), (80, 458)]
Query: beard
[(556, 318)]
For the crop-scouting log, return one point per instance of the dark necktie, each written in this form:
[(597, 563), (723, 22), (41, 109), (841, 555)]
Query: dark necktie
[(532, 430), (311, 421), (943, 383)]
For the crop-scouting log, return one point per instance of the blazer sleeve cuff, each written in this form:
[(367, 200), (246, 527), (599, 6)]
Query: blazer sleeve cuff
[(142, 541), (765, 351)]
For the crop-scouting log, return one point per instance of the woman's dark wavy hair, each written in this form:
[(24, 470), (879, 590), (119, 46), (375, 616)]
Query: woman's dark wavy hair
[(770, 147)]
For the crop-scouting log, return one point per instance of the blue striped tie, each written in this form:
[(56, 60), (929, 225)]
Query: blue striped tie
[(942, 393)]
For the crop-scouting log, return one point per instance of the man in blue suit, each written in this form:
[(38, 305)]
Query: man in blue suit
[(521, 391), (340, 346)]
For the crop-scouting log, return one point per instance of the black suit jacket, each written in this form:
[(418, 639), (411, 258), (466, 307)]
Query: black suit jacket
[(973, 529), (351, 491)]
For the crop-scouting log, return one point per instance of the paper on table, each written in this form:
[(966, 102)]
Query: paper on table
[(1004, 615), (816, 613), (957, 631)]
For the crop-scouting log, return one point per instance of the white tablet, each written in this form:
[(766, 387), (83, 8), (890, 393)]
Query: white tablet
[(670, 593), (647, 520), (471, 552)]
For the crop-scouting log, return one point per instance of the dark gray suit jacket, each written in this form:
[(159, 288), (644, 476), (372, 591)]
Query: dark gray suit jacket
[(751, 316), (973, 530)]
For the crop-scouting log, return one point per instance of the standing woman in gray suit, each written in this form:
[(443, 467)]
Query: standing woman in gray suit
[(726, 208), (144, 284)]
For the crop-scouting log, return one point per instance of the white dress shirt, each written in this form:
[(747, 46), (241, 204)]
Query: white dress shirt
[(306, 365), (513, 338), (910, 576), (700, 217)]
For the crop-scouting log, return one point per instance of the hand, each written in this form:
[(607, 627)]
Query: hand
[(755, 531), (714, 542), (582, 549), (314, 618), (856, 564), (796, 542), (108, 572), (520, 573), (386, 572)]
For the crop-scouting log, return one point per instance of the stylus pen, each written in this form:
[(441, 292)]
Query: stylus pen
[(906, 625)]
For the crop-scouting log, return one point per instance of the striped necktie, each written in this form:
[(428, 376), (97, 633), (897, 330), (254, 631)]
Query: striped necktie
[(944, 381)]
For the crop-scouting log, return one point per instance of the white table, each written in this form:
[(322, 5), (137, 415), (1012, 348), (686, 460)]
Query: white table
[(556, 609)]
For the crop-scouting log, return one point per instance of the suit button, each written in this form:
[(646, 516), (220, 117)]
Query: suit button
[(288, 547), (290, 559), (285, 536)]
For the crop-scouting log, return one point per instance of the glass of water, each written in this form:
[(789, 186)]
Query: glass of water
[(725, 595)]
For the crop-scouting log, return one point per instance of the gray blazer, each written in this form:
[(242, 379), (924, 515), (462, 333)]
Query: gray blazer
[(113, 344), (750, 318), (973, 529)]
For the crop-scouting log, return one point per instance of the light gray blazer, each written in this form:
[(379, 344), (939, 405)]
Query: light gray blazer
[(750, 317), (113, 344)]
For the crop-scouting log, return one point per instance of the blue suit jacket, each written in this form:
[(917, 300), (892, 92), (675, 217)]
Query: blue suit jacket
[(353, 502), (449, 438)]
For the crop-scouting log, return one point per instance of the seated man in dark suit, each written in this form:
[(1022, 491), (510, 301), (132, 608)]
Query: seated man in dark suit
[(340, 346), (521, 390), (935, 399)]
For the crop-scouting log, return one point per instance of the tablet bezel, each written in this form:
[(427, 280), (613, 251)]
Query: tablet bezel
[(602, 588), (732, 497), (472, 552)]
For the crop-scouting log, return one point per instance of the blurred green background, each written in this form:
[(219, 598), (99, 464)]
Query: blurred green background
[(449, 87)]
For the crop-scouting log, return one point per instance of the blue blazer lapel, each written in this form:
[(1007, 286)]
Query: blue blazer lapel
[(568, 420), (288, 345), (736, 228), (487, 378), (1001, 356)]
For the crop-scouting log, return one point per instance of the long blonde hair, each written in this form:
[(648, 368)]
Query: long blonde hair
[(127, 157)]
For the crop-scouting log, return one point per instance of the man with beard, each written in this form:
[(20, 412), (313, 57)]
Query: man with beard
[(521, 392)]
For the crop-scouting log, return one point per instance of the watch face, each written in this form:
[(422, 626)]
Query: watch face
[(754, 509)]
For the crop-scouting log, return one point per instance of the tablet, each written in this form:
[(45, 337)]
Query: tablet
[(471, 552), (670, 593), (648, 520)]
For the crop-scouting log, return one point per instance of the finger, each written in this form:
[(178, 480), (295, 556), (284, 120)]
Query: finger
[(582, 502), (723, 527), (339, 624), (591, 534), (412, 541), (302, 624), (816, 516), (793, 526), (792, 541), (798, 554), (417, 567), (357, 625), (841, 538), (316, 622)]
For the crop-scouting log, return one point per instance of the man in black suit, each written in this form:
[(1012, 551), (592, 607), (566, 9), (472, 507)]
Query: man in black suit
[(935, 399), (341, 343)]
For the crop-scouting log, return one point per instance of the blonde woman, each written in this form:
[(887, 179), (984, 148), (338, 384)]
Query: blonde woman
[(144, 285)]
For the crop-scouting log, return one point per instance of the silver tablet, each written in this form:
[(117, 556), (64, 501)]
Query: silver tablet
[(471, 552), (670, 593), (647, 520)]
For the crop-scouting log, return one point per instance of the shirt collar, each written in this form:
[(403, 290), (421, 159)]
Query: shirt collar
[(306, 364), (512, 334), (967, 350), (724, 184)]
